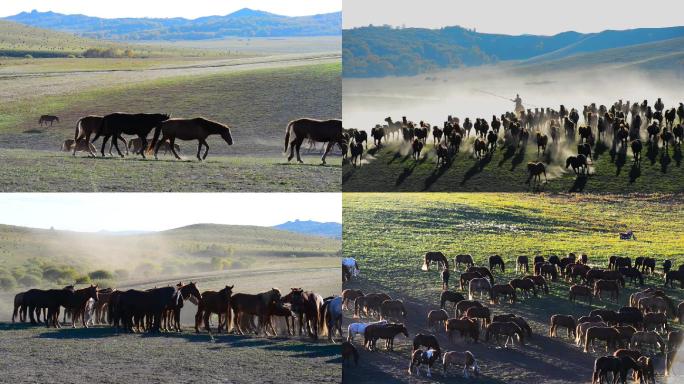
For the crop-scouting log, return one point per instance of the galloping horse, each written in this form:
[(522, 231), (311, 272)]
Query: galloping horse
[(198, 129), (320, 131)]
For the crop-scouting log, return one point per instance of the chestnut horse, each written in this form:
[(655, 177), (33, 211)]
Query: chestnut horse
[(244, 304), (214, 302), (198, 129), (307, 304), (320, 131)]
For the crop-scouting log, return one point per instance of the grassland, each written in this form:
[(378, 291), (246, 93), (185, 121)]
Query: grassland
[(391, 168), (388, 234), (256, 103)]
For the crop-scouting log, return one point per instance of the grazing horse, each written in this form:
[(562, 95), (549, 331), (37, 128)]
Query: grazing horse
[(47, 119), (580, 290), (466, 328), (508, 329), (243, 304), (354, 329), (320, 131), (392, 309), (438, 317), (617, 366), (305, 304), (369, 303), (611, 286), (504, 290), (198, 129), (140, 124), (423, 340), (478, 286), (349, 295), (516, 319), (436, 257), (445, 279), (525, 286), (463, 259), (214, 302), (419, 357), (463, 306), (477, 313), (452, 297), (642, 339), (467, 358), (535, 170), (496, 261), (565, 321), (349, 352), (608, 334), (387, 332)]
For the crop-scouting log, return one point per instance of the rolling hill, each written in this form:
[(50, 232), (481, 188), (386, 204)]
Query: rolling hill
[(314, 228), (384, 51), (243, 23)]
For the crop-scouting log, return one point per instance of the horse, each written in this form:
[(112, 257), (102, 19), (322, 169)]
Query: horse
[(198, 129), (656, 321), (520, 321), (140, 124), (392, 309), (47, 119), (320, 131), (505, 290), (466, 277), (437, 316), (525, 286), (463, 259), (243, 304), (452, 297), (387, 332), (354, 329), (437, 257), (445, 278), (582, 328), (642, 339), (464, 305), (349, 352), (636, 150), (607, 285), (356, 153), (542, 141), (423, 340), (77, 303), (535, 170), (377, 133), (608, 334), (565, 321), (349, 295), (442, 154), (578, 164), (305, 304), (51, 300), (19, 307), (331, 316), (467, 358), (369, 303), (580, 290), (633, 274), (419, 357), (80, 146), (465, 326), (185, 292), (479, 285), (479, 147), (477, 313), (496, 261), (522, 264), (214, 302), (134, 305), (617, 366), (350, 268), (85, 127), (508, 329)]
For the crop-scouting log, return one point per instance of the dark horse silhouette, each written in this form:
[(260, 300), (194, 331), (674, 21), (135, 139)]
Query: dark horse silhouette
[(139, 124), (305, 304), (198, 129), (258, 305), (321, 131), (135, 305), (37, 300), (214, 302), (437, 257)]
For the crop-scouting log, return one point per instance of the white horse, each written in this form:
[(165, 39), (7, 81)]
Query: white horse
[(358, 328)]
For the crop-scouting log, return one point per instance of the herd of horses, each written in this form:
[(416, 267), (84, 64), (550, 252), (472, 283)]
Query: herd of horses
[(166, 130), (622, 124), (158, 309), (635, 335)]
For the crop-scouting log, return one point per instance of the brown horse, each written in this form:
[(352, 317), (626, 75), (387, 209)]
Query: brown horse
[(321, 131), (387, 332), (198, 129), (436, 257), (81, 146), (392, 309), (307, 306), (467, 276), (565, 321), (464, 305), (535, 170), (87, 126), (467, 358), (77, 302), (243, 304), (214, 302), (504, 290), (519, 320), (611, 286), (580, 290), (463, 259), (608, 334), (508, 329), (480, 313), (423, 357), (369, 304), (525, 286), (455, 297), (522, 264), (437, 317), (496, 261), (466, 328), (349, 295)]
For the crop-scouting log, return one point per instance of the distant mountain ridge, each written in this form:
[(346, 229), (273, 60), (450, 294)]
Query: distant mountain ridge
[(385, 51), (243, 23), (314, 228)]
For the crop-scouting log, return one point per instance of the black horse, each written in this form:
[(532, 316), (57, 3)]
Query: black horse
[(139, 124)]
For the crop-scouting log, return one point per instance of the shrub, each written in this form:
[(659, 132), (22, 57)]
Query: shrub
[(85, 279), (7, 282), (29, 280), (100, 274), (60, 274)]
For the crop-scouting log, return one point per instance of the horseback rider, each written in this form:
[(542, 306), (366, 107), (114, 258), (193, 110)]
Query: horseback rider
[(518, 103)]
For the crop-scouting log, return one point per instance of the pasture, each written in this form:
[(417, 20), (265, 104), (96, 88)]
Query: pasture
[(255, 98), (104, 355), (389, 233)]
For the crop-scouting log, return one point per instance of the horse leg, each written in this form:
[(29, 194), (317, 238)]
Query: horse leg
[(104, 143), (199, 150), (298, 145), (116, 143), (327, 149), (206, 151)]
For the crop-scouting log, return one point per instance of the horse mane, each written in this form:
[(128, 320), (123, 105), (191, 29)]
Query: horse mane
[(210, 125)]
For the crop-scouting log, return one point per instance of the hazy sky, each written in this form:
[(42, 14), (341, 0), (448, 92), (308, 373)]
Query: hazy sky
[(90, 212), (169, 8), (516, 16)]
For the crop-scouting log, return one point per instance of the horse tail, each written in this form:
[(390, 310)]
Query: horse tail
[(78, 130), (287, 134)]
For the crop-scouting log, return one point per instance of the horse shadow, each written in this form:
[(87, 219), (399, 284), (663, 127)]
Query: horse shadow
[(579, 184), (518, 158), (33, 131), (510, 151), (476, 168), (407, 172), (536, 187), (78, 333), (436, 174), (308, 350), (635, 172), (599, 149), (397, 155), (652, 152), (620, 161), (665, 161), (347, 175)]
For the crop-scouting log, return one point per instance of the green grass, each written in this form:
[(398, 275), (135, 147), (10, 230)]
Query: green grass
[(390, 169), (388, 234)]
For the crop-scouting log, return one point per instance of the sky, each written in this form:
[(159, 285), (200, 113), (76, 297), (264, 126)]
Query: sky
[(542, 17), (93, 212), (168, 8)]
